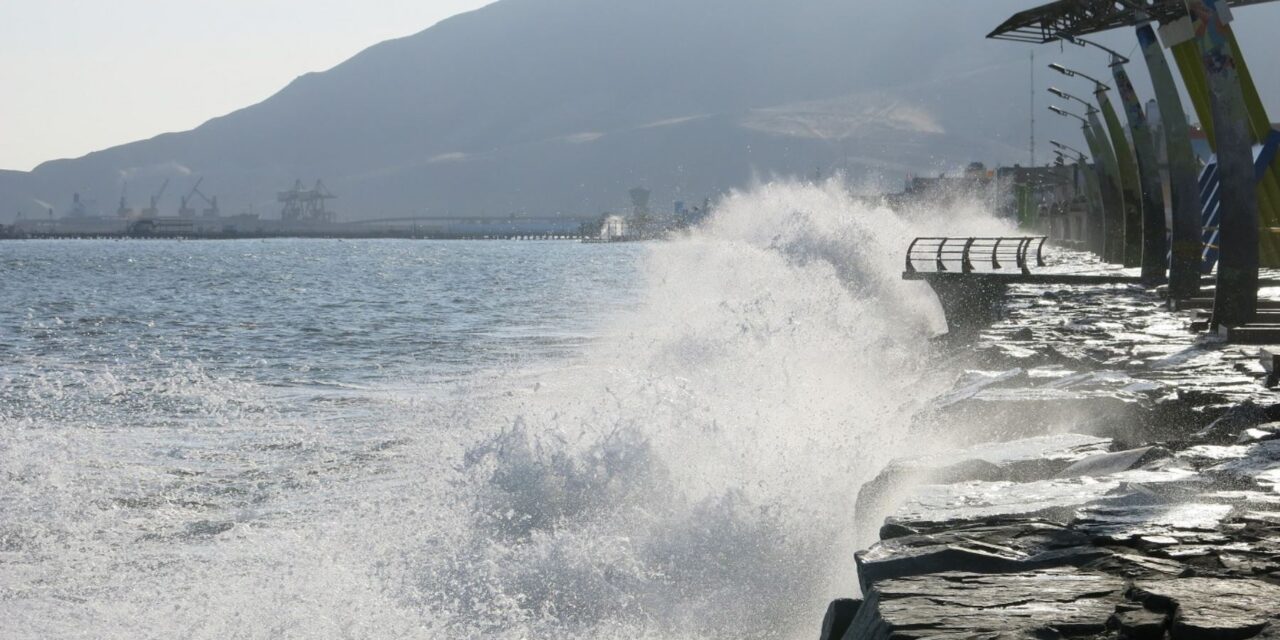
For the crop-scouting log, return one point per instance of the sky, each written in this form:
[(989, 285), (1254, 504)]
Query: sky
[(83, 75)]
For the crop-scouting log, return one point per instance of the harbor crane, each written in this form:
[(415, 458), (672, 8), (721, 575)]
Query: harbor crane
[(154, 211), (306, 204), (124, 210), (186, 211)]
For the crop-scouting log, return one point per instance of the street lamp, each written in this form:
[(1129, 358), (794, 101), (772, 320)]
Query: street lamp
[(1089, 108), (1116, 58), (1063, 112), (1071, 73), (1064, 147)]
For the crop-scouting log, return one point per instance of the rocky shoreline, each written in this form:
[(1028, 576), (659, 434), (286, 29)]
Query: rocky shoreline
[(1118, 477)]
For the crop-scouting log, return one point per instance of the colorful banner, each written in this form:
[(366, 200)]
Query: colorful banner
[(1180, 38)]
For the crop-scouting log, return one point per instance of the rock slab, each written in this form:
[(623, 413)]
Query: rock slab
[(1046, 603)]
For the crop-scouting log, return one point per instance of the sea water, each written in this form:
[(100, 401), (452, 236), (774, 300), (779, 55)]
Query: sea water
[(418, 439)]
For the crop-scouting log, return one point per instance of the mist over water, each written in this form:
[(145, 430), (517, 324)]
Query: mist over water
[(309, 439)]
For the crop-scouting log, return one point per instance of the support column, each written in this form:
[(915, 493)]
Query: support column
[(1113, 193), (1236, 302), (1154, 246), (1093, 196), (1129, 182), (1185, 232)]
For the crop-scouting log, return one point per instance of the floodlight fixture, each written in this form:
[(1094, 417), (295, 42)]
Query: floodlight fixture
[(1116, 57), (1089, 108), (1063, 112), (1065, 147), (1072, 73)]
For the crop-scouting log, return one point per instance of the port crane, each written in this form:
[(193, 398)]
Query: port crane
[(306, 204), (185, 210), (124, 210), (153, 210)]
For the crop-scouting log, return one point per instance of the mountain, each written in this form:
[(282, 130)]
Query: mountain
[(540, 107)]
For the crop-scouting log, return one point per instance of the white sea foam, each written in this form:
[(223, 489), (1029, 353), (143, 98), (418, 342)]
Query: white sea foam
[(691, 473)]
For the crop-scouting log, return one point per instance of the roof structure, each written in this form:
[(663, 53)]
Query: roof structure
[(1060, 18)]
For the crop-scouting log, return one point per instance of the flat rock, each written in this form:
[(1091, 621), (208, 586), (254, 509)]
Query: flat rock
[(987, 548), (1258, 462), (1141, 624), (1031, 458), (1260, 433), (1237, 420), (931, 507), (1056, 499), (1105, 464), (972, 382), (1063, 601), (1130, 522), (1210, 608), (1017, 460)]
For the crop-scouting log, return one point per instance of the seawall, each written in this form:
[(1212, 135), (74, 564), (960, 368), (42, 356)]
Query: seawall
[(1111, 474)]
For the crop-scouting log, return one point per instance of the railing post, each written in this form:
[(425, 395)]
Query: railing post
[(1040, 251), (1024, 245), (941, 266), (965, 265), (995, 254), (911, 268)]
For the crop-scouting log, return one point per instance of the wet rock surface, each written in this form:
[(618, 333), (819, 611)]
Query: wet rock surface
[(1212, 608), (1049, 603), (1118, 477)]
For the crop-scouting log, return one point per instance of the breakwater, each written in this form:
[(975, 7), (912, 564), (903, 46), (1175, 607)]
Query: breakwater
[(1112, 475), (375, 234)]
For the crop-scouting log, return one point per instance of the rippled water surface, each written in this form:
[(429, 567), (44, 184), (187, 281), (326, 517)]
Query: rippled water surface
[(389, 439)]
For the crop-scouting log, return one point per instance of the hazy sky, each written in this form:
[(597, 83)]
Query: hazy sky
[(82, 75)]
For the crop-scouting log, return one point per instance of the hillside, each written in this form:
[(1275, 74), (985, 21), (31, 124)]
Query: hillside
[(546, 106)]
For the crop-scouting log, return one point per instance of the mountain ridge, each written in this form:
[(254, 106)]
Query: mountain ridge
[(545, 107)]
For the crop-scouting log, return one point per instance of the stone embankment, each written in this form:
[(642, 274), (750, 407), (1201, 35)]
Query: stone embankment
[(1113, 475)]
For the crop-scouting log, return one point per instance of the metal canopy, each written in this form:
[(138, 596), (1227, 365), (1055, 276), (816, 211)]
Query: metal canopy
[(1052, 21)]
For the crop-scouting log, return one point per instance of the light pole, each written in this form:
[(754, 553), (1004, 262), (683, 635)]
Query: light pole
[(1088, 106), (1236, 297), (1072, 73), (1153, 244), (1083, 183), (1124, 241), (1106, 222), (1092, 192), (1065, 147), (1116, 57)]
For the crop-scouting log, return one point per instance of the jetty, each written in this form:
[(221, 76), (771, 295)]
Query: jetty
[(1110, 464)]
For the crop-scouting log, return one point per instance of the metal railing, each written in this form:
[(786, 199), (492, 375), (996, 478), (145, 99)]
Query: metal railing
[(962, 252)]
